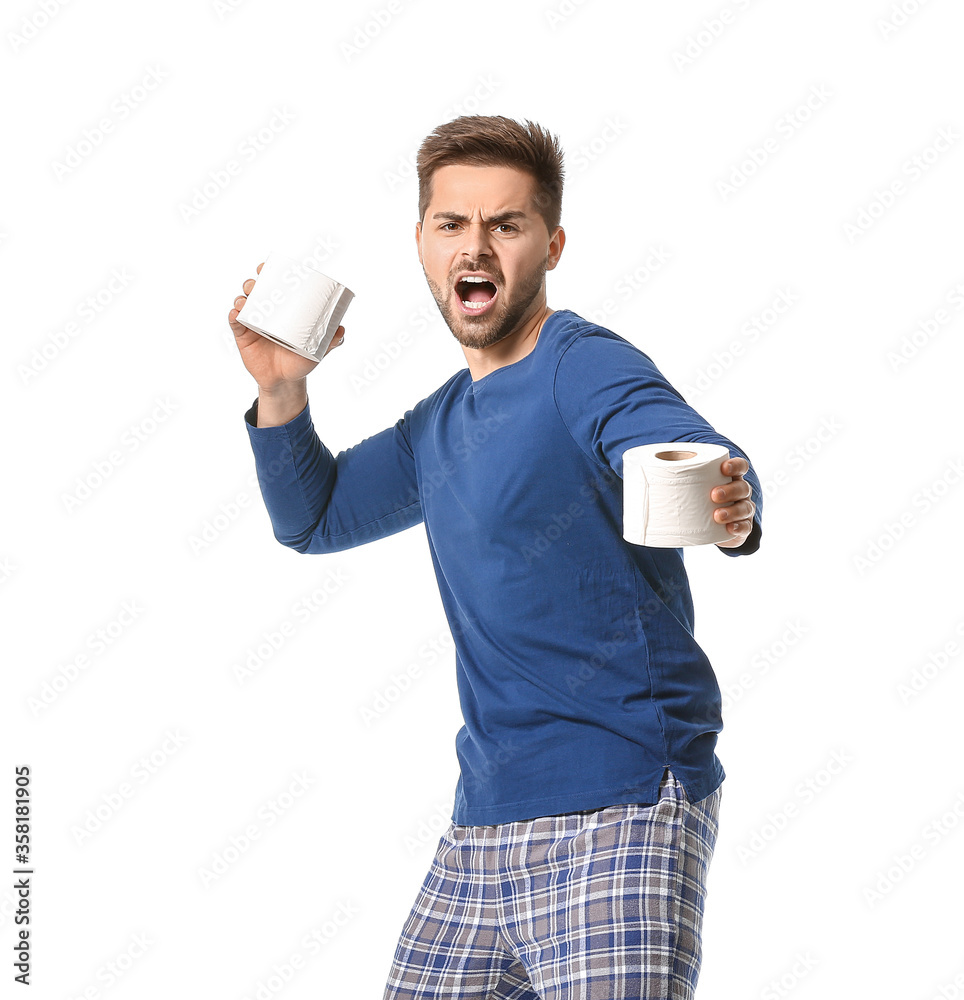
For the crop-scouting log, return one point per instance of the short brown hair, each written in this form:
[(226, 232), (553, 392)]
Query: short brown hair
[(494, 140)]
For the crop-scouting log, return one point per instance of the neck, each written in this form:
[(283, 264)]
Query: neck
[(511, 348)]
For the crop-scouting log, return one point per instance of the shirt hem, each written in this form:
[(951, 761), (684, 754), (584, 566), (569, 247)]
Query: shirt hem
[(700, 785)]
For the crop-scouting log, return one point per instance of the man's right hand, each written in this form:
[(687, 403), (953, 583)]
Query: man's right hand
[(280, 373)]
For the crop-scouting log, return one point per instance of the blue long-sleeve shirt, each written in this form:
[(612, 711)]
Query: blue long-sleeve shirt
[(578, 674)]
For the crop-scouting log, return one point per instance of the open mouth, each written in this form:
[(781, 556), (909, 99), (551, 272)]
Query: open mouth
[(475, 295)]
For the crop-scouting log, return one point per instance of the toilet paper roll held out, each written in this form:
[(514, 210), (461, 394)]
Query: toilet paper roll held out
[(666, 494), (296, 306)]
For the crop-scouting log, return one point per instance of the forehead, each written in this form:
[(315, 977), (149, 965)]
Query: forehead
[(463, 187)]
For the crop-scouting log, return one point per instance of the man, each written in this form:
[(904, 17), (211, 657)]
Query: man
[(586, 812)]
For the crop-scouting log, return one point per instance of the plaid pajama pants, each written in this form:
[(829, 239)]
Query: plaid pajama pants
[(604, 904)]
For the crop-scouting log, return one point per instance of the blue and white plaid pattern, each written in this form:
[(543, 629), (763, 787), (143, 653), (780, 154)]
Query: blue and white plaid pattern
[(604, 904)]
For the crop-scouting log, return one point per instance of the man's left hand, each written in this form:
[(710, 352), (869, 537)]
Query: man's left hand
[(738, 517)]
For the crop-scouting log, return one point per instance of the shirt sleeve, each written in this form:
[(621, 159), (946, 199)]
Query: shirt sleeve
[(318, 502), (612, 397)]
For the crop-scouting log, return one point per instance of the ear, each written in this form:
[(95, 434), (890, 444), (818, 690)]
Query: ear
[(418, 240), (556, 244)]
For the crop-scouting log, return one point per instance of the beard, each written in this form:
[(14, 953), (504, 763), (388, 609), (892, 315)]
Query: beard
[(484, 331)]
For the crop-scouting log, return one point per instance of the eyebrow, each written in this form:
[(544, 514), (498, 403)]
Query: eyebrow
[(501, 217)]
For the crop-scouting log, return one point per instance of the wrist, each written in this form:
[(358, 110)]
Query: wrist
[(281, 403)]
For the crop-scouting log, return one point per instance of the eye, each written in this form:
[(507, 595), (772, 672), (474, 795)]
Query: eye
[(507, 225), (447, 224)]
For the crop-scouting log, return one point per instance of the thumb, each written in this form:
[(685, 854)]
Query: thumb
[(336, 341)]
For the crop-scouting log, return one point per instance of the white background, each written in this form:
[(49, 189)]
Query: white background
[(128, 477)]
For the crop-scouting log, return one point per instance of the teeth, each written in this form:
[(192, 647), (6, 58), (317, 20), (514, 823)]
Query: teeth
[(475, 305), (473, 278)]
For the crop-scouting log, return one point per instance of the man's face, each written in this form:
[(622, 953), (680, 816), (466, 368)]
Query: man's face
[(481, 222)]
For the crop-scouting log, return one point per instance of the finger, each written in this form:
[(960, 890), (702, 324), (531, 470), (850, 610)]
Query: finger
[(238, 329), (738, 534), (336, 341), (735, 466), (233, 314), (244, 286), (739, 489), (740, 511), (736, 538)]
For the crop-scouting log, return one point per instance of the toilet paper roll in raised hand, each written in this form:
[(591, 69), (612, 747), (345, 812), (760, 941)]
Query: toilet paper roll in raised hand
[(666, 494), (296, 306)]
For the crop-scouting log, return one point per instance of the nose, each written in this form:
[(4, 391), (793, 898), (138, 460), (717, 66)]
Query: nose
[(477, 241)]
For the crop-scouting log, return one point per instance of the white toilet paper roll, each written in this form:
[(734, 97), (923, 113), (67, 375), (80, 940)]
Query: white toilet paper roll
[(666, 494), (296, 306)]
